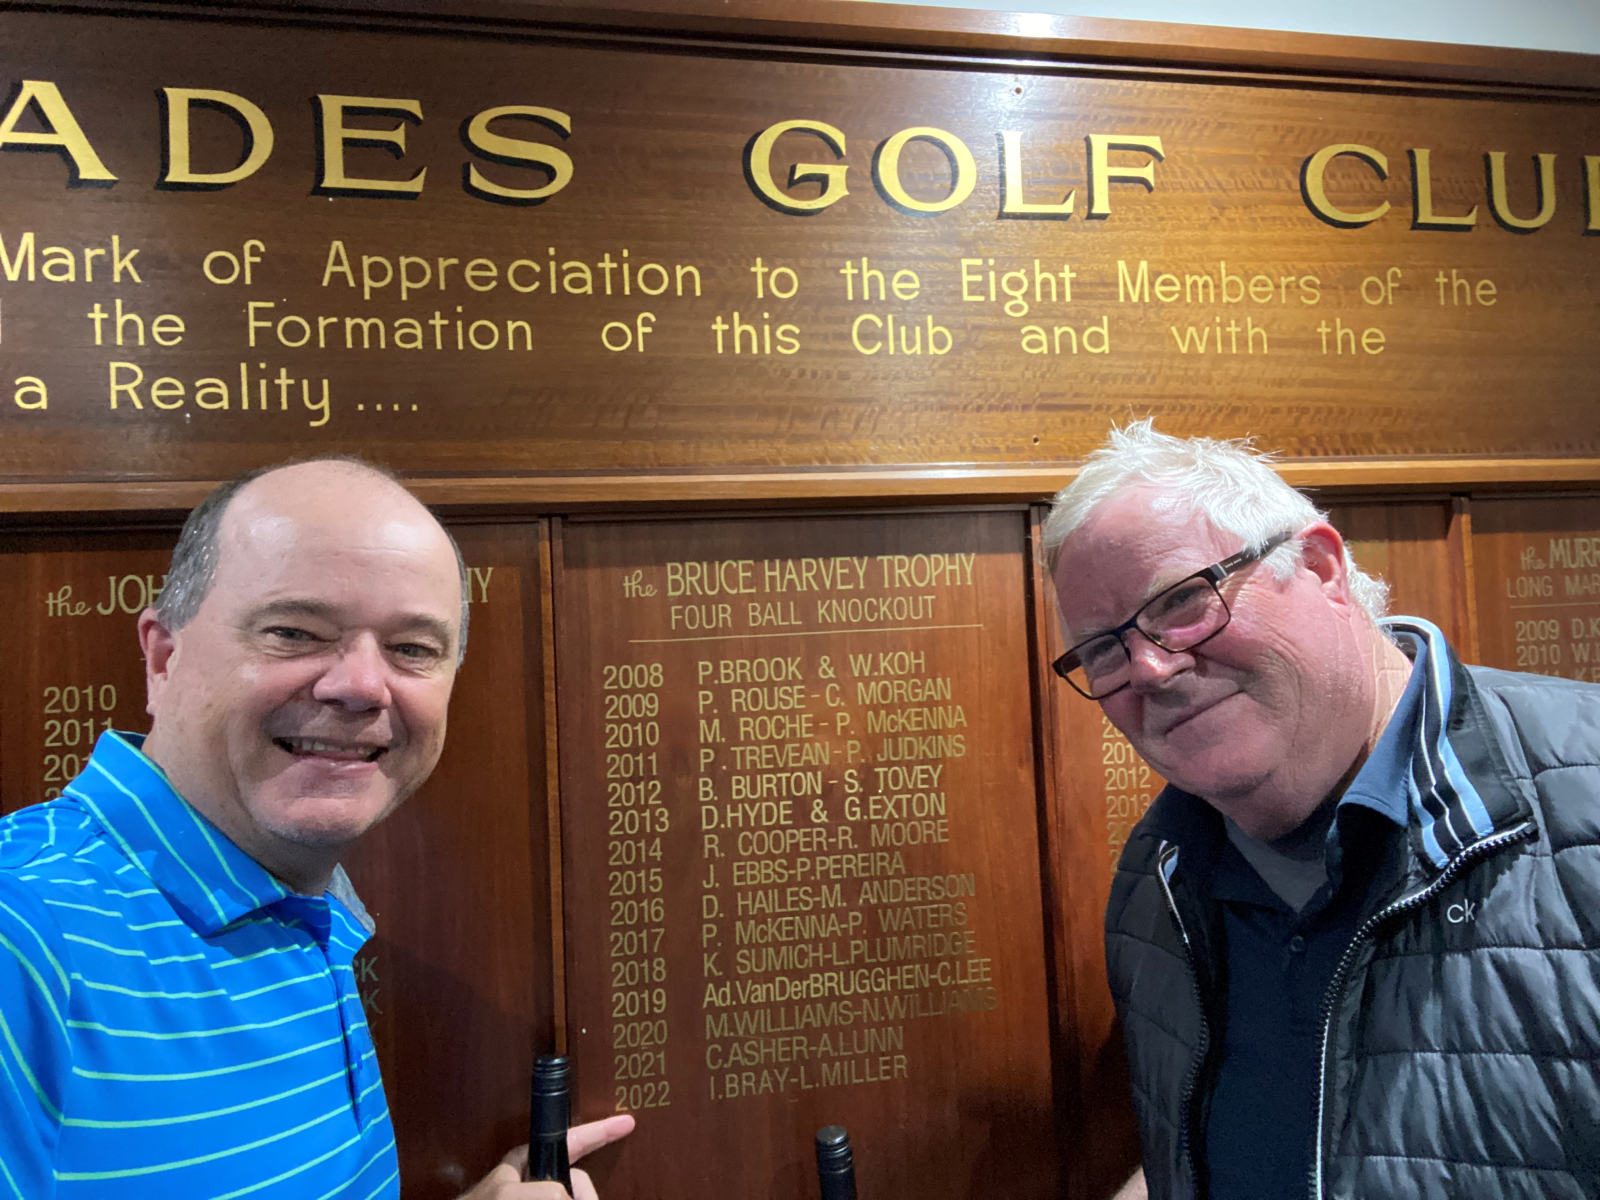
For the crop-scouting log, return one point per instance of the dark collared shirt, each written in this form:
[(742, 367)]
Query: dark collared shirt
[(1261, 1120)]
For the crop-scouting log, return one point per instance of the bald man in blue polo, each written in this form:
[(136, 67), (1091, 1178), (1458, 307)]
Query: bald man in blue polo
[(178, 1014)]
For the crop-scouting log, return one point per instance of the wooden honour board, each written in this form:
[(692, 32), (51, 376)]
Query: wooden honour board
[(468, 977), (801, 849), (1538, 585), (767, 256), (485, 885)]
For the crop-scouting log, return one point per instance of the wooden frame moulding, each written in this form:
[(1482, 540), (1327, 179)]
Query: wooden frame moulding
[(952, 38), (904, 30), (26, 504)]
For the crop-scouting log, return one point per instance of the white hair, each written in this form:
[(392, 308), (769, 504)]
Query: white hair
[(1228, 483)]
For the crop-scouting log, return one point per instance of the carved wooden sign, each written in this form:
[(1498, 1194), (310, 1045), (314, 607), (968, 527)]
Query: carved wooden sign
[(800, 831), (1538, 577), (225, 242)]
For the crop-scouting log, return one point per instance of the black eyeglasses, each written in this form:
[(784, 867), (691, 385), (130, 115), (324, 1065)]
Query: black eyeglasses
[(1186, 614)]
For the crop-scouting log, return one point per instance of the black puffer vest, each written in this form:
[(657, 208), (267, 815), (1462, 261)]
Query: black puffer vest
[(1461, 1043)]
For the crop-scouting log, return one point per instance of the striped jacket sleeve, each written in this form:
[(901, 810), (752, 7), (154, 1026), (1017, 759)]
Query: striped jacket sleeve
[(35, 1058)]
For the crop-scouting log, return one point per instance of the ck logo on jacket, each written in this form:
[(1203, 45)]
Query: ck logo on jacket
[(1459, 912)]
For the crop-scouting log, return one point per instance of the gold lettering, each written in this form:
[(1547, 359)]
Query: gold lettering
[(1544, 181), (1102, 173), (64, 131), (31, 385), (332, 177), (131, 387), (338, 261), (1315, 190), (209, 387), (886, 170), (758, 169), (516, 152), (1011, 202), (177, 170), (1423, 216)]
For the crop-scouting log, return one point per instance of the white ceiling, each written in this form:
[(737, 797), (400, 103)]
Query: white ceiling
[(1530, 24)]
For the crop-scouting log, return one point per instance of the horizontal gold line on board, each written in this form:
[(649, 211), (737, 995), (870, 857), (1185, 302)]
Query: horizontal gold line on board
[(733, 637)]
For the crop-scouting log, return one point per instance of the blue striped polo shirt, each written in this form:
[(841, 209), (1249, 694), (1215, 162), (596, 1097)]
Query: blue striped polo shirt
[(175, 1022)]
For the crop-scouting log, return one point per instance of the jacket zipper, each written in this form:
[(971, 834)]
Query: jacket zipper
[(1461, 862), (1167, 853)]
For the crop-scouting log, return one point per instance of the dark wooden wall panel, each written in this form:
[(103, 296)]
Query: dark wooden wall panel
[(1095, 788), (1222, 299), (73, 663), (959, 1096), (1407, 544), (1537, 566)]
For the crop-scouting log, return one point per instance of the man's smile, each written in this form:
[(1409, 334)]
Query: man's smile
[(1189, 712), (305, 747)]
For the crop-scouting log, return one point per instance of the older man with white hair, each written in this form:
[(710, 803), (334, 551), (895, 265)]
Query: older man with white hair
[(1355, 942)]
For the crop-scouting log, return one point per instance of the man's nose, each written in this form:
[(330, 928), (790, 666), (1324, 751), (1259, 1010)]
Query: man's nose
[(358, 679), (1150, 667)]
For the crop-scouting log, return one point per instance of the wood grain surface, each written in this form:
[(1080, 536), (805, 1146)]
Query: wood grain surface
[(1431, 380), (807, 28), (74, 668), (1203, 286), (1407, 545), (1096, 788), (802, 852), (80, 505), (1537, 565)]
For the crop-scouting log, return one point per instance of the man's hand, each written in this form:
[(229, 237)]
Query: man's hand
[(505, 1181), (1134, 1189)]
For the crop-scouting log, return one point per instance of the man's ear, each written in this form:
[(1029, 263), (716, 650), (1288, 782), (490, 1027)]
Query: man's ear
[(158, 644), (1323, 554)]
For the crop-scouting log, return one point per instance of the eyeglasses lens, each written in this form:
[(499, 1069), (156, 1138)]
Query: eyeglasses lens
[(1175, 620), (1101, 667), (1189, 612)]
